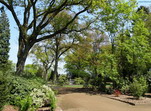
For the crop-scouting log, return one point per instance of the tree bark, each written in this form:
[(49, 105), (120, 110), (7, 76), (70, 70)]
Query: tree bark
[(21, 63), (46, 75), (24, 48), (55, 76)]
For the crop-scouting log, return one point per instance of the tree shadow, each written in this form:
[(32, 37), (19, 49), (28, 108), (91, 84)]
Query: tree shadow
[(62, 91)]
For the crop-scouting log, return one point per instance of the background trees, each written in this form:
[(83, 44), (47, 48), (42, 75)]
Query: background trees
[(125, 55)]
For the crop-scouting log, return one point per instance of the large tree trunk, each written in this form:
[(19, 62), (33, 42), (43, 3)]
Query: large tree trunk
[(46, 75), (55, 75), (21, 62), (22, 56)]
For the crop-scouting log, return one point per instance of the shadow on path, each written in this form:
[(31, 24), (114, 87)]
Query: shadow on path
[(63, 90)]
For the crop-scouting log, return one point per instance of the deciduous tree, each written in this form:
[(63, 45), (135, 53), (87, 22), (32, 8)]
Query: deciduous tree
[(36, 16)]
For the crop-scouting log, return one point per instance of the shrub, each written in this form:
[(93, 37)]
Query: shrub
[(62, 80), (117, 93), (138, 87), (4, 90), (125, 89), (78, 81), (24, 104), (149, 79), (123, 85), (38, 97), (109, 90), (21, 87), (43, 97)]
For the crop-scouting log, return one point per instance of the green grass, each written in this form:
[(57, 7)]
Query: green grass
[(73, 86)]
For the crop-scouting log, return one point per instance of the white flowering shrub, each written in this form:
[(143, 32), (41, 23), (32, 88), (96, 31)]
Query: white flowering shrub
[(43, 96)]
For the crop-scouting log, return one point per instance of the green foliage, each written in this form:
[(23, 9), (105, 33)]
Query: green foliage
[(21, 87), (76, 62), (24, 104), (31, 71), (4, 39), (123, 85), (125, 89), (4, 89), (43, 96), (148, 76), (79, 81), (133, 50), (63, 80), (138, 87)]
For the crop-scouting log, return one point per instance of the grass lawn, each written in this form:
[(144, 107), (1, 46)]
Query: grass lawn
[(73, 86)]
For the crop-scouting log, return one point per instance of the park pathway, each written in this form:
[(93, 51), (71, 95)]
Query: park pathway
[(80, 101)]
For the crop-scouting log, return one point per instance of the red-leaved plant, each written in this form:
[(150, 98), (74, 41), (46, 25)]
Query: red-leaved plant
[(117, 93)]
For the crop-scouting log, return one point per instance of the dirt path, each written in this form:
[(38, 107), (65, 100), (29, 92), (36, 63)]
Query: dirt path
[(80, 101)]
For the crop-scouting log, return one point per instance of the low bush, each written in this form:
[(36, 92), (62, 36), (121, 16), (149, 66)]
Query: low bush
[(109, 90), (29, 93), (24, 104), (125, 89), (62, 80), (21, 87), (38, 97), (138, 87), (149, 80), (79, 81), (43, 97), (117, 93)]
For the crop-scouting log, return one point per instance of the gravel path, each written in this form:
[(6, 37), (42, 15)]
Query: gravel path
[(80, 101)]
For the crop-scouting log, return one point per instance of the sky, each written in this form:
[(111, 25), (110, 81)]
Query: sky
[(14, 38)]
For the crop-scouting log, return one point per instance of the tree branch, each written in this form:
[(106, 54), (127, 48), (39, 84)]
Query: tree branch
[(64, 28), (11, 9)]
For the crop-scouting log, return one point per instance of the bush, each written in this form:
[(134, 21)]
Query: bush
[(4, 90), (21, 87), (24, 104), (38, 97), (62, 80), (117, 93), (43, 97), (149, 80), (109, 90), (138, 87), (125, 89), (78, 81)]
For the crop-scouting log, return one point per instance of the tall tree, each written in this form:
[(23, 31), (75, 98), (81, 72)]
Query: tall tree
[(60, 46), (36, 16), (115, 17), (56, 47), (4, 38), (43, 56), (133, 50), (76, 60)]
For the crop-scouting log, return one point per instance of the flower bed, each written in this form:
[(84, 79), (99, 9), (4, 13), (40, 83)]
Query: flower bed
[(130, 99)]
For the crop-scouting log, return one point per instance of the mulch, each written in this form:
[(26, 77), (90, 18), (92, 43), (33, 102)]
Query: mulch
[(130, 99)]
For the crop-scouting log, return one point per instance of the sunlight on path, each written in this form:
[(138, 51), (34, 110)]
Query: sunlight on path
[(87, 102)]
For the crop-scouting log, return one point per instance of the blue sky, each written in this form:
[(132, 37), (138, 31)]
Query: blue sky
[(14, 36)]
